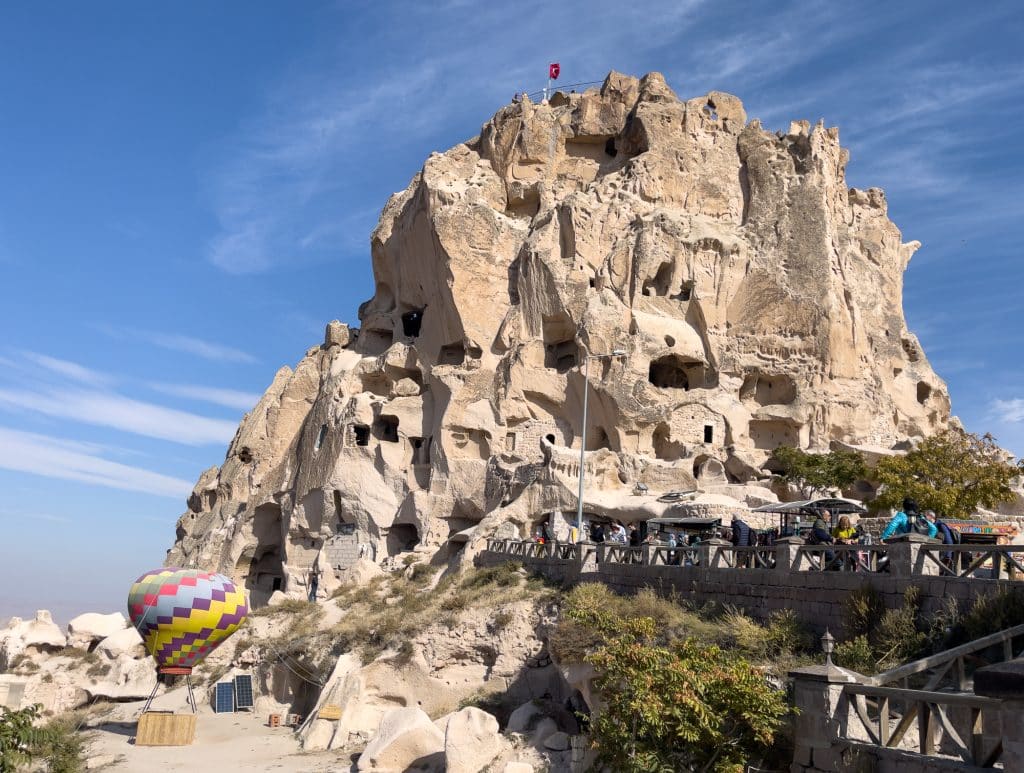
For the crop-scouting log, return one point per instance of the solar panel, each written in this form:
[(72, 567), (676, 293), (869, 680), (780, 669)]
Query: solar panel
[(243, 691), (224, 697)]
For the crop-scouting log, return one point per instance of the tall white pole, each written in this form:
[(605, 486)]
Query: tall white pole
[(583, 448)]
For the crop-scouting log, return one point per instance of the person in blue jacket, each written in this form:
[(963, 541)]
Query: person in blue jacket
[(908, 520)]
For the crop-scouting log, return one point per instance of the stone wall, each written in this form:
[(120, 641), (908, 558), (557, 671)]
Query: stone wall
[(817, 597)]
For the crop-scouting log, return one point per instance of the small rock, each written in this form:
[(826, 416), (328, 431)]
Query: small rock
[(100, 761), (557, 742)]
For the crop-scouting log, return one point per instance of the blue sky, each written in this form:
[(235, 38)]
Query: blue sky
[(188, 190)]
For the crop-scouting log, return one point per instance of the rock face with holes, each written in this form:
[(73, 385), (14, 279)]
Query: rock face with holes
[(756, 298)]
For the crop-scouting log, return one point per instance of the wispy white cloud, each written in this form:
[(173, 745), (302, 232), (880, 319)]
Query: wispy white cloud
[(31, 515), (1009, 410), (69, 369), (229, 398), (199, 347), (268, 191), (56, 458), (107, 409)]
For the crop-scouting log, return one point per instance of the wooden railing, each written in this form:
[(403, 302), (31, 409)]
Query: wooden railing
[(851, 558), (947, 723), (679, 556), (622, 554), (996, 562), (955, 663), (748, 556), (1003, 562)]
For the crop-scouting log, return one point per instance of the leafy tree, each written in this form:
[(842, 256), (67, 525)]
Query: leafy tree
[(17, 737), (676, 706), (952, 473), (21, 741), (819, 473)]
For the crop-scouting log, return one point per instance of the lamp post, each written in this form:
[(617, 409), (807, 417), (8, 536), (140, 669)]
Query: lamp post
[(583, 435)]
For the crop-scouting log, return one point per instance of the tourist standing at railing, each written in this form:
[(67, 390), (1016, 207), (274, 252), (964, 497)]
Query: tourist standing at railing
[(845, 534), (673, 555), (742, 537), (820, 535), (907, 520), (944, 533), (618, 532)]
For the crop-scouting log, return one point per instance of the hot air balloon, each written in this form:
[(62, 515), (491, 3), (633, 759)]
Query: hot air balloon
[(184, 614)]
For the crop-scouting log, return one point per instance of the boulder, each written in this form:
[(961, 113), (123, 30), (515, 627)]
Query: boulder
[(544, 730), (128, 679), (557, 742), (524, 718), (471, 741), (518, 767), (406, 739), (360, 572), (127, 641), (336, 334), (38, 635), (85, 630)]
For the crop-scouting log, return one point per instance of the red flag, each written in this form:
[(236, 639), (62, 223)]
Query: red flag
[(554, 70)]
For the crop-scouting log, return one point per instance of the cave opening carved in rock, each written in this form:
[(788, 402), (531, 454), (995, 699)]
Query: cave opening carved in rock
[(675, 372), (561, 351), (385, 428), (401, 538), (768, 389)]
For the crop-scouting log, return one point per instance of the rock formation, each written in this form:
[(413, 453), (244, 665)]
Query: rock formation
[(756, 298)]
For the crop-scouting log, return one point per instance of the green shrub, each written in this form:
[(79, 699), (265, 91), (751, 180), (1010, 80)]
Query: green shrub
[(23, 663), (680, 707), (988, 614), (77, 653), (422, 574), (500, 620), (287, 606), (504, 576), (857, 655), (21, 741), (99, 669), (862, 609)]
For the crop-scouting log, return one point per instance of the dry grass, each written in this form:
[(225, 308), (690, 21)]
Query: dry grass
[(387, 613), (777, 645)]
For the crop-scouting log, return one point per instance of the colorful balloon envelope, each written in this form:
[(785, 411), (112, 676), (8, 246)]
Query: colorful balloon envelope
[(184, 614)]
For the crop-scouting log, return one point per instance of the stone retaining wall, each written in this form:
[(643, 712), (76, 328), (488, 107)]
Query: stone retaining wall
[(816, 597)]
